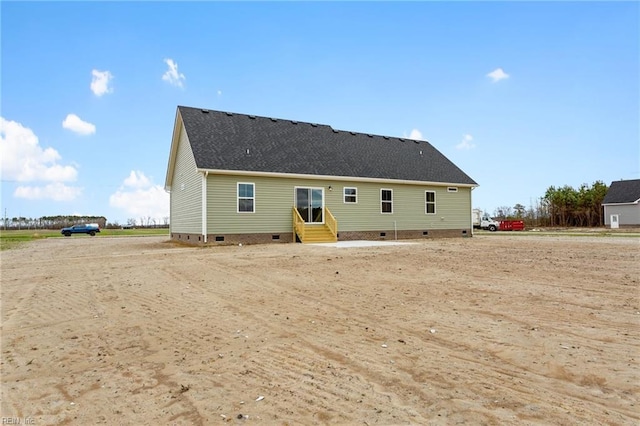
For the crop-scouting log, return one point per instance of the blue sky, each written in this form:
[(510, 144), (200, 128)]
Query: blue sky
[(519, 95)]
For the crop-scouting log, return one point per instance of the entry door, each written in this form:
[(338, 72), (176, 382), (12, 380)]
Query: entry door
[(614, 221), (309, 203)]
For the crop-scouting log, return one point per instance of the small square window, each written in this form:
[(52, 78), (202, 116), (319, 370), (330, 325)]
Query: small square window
[(350, 195)]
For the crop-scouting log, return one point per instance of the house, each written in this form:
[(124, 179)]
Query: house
[(237, 178), (622, 204)]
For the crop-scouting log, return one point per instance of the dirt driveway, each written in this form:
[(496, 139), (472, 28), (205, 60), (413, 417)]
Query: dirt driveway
[(495, 329)]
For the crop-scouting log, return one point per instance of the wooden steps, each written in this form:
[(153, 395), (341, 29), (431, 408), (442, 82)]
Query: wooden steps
[(318, 234)]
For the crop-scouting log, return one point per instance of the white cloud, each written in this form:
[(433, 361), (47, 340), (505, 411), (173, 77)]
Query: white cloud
[(137, 179), (24, 160), (56, 191), (140, 197), (77, 125), (466, 143), (219, 92), (497, 75), (100, 82), (415, 134), (172, 75)]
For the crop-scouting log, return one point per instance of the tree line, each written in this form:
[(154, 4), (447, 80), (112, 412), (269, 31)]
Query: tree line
[(50, 222), (562, 206), (62, 221)]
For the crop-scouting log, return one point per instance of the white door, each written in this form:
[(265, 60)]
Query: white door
[(614, 221)]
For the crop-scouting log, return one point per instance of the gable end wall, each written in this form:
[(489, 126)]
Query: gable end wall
[(186, 191)]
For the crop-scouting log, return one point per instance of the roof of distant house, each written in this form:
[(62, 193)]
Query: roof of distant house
[(230, 141), (623, 191)]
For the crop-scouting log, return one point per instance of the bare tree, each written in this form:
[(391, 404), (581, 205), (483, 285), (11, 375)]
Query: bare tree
[(503, 212), (520, 210)]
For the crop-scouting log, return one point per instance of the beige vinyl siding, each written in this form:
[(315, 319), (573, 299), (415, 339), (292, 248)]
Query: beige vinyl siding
[(273, 203), (453, 209), (186, 190), (274, 200)]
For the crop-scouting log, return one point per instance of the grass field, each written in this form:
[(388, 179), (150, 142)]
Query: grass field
[(13, 238)]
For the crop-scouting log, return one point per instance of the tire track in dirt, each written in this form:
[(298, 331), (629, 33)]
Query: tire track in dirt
[(85, 324), (464, 349), (187, 336), (277, 361), (278, 364)]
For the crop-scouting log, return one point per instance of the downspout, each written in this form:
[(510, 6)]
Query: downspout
[(204, 205), (168, 191), (471, 208)]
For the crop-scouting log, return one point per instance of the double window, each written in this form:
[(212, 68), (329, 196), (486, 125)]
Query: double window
[(386, 201), (246, 198), (350, 195), (430, 202)]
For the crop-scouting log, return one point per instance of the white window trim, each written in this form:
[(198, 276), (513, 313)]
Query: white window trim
[(238, 198), (321, 188), (452, 189), (344, 195), (426, 203), (381, 201)]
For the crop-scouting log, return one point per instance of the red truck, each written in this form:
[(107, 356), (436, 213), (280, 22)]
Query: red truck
[(511, 225)]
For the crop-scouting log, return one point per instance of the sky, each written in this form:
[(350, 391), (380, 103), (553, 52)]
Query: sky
[(520, 95)]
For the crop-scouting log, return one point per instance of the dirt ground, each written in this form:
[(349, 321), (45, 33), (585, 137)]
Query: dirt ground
[(494, 329)]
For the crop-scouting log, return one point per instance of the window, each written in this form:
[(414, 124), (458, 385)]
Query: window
[(350, 195), (452, 189), (246, 198), (430, 200), (386, 200)]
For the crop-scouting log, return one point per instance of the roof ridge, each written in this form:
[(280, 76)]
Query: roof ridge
[(312, 124), (254, 116)]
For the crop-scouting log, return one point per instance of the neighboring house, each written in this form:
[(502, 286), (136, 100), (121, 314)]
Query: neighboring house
[(236, 178), (622, 204)]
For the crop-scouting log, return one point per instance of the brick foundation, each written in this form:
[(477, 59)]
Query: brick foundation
[(187, 238), (402, 235), (287, 237), (222, 239)]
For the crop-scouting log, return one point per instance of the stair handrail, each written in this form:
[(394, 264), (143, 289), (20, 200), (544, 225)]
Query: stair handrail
[(298, 225), (331, 222)]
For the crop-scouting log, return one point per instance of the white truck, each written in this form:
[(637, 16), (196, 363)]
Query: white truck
[(483, 221)]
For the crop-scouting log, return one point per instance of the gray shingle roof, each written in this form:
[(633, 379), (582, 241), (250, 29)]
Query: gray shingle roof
[(623, 191), (229, 141)]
